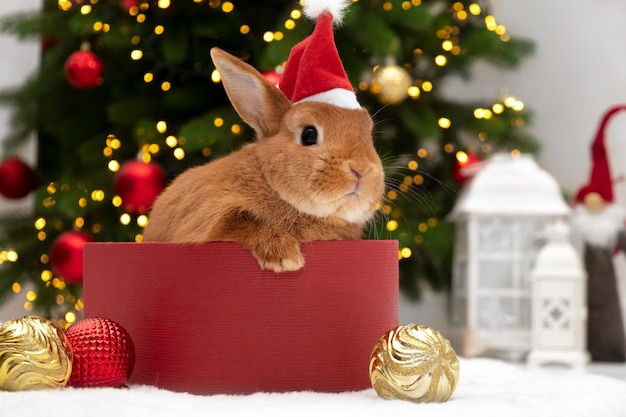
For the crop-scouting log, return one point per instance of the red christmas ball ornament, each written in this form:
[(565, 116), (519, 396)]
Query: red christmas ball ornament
[(272, 76), (138, 184), (48, 43), (104, 354), (83, 69), (66, 255), (128, 4), (17, 179), (466, 166)]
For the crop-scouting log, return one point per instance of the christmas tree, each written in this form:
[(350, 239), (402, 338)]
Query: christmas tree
[(126, 98)]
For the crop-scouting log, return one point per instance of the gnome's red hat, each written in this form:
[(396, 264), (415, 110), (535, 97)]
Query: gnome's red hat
[(600, 181), (314, 71)]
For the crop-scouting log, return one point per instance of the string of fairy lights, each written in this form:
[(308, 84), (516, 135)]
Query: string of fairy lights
[(398, 77)]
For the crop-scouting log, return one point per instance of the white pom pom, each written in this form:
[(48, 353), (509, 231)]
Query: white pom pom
[(313, 8)]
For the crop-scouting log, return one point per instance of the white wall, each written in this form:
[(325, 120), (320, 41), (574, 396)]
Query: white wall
[(18, 60)]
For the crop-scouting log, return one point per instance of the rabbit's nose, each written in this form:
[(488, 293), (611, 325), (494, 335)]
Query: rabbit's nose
[(360, 172), (356, 173)]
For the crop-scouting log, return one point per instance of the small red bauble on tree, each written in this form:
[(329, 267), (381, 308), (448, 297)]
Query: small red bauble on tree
[(17, 179), (128, 4), (272, 76), (466, 166), (104, 354), (66, 255), (83, 69), (138, 184)]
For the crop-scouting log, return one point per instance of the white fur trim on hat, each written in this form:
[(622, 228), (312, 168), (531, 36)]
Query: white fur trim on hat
[(338, 96), (313, 8)]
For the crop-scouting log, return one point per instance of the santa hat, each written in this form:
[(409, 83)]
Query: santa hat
[(600, 181), (314, 71)]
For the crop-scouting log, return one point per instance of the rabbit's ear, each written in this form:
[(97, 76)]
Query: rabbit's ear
[(259, 103)]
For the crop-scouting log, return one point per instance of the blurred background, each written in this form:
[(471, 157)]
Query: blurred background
[(574, 75)]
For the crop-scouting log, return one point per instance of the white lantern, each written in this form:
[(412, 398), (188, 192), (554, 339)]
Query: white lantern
[(559, 312), (500, 217)]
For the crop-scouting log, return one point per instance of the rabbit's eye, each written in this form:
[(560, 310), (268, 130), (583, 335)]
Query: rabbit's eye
[(309, 136)]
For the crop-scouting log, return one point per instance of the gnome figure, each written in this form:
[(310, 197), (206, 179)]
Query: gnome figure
[(600, 223)]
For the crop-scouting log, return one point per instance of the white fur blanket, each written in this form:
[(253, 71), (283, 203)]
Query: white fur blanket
[(486, 388)]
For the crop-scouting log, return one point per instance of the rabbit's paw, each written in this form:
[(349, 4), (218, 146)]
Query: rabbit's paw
[(280, 258)]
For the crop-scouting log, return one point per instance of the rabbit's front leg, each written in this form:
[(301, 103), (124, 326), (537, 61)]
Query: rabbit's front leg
[(274, 249)]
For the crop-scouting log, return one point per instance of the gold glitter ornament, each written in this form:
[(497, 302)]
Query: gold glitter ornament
[(34, 354), (390, 83), (414, 363)]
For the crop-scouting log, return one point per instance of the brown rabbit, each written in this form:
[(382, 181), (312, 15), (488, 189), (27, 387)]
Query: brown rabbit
[(312, 174)]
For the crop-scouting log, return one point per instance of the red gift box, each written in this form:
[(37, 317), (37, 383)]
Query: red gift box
[(206, 319)]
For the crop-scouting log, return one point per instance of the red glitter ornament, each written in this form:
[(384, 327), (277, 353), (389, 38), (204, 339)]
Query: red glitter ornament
[(17, 179), (138, 184), (104, 354), (83, 69), (66, 255)]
